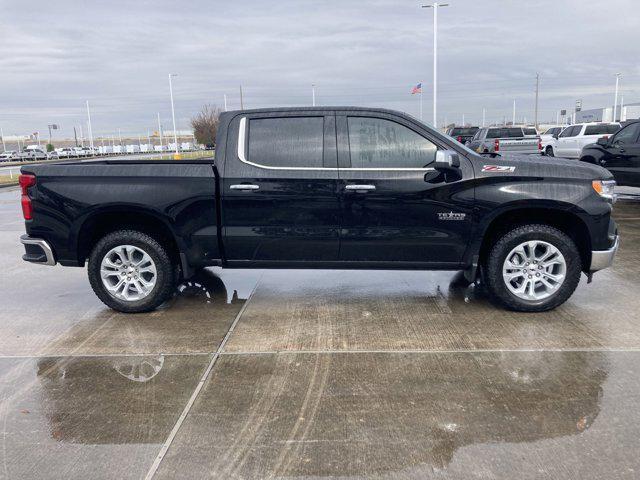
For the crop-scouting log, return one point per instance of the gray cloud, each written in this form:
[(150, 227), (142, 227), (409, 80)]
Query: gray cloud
[(117, 55)]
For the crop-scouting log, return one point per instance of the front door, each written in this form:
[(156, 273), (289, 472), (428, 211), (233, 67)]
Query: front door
[(623, 159), (395, 207), (279, 200)]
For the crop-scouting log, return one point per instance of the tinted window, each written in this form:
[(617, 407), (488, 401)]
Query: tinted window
[(553, 131), (628, 134), (378, 143), (286, 142), (601, 129), (529, 131), (571, 131), (463, 131), (504, 133)]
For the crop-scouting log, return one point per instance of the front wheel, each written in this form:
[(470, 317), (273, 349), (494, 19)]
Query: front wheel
[(533, 268), (549, 151), (131, 271)]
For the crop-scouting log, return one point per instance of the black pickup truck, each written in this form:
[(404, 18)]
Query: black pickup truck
[(332, 188)]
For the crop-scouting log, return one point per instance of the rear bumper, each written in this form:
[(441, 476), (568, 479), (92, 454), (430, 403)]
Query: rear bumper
[(601, 259), (37, 251)]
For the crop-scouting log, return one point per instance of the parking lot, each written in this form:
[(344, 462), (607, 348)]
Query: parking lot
[(316, 374)]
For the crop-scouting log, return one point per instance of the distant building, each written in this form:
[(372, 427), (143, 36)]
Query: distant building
[(629, 112)]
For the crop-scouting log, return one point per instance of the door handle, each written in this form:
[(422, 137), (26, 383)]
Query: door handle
[(360, 188), (244, 186)]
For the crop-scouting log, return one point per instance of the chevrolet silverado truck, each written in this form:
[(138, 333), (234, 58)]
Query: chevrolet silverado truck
[(509, 140), (332, 188)]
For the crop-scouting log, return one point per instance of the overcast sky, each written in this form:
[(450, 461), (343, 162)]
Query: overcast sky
[(55, 55)]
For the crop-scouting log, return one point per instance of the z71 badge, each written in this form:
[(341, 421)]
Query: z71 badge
[(498, 168)]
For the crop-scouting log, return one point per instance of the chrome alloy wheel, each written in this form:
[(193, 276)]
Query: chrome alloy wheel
[(534, 270), (128, 273)]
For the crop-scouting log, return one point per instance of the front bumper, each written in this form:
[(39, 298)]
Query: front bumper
[(37, 250), (601, 259)]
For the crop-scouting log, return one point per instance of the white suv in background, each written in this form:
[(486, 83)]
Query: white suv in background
[(570, 142)]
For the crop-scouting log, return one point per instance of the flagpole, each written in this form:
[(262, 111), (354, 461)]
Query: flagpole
[(420, 102)]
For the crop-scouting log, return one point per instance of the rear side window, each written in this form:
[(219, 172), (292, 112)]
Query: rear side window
[(286, 142), (380, 143), (602, 129), (463, 131), (529, 131)]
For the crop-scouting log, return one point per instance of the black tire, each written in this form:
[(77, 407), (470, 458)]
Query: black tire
[(549, 151), (496, 285), (166, 271)]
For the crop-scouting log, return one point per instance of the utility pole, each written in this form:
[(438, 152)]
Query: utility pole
[(241, 99), (622, 108), (75, 136), (615, 98), (435, 7), (484, 113), (90, 129), (160, 131), (535, 115), (4, 147), (463, 120), (81, 136), (225, 102), (513, 119), (176, 156), (313, 95)]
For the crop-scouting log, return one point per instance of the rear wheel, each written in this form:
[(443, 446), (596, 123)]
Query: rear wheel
[(549, 151), (131, 271), (533, 268)]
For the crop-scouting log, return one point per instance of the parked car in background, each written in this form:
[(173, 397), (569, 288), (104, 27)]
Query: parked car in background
[(570, 142), (33, 152), (9, 156), (620, 154), (78, 151), (548, 136), (65, 152), (504, 140), (462, 134)]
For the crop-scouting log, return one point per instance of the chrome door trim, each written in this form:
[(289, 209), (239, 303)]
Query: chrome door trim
[(242, 137)]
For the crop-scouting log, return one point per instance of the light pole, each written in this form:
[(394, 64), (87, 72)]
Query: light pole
[(484, 113), (513, 119), (313, 94), (225, 102), (435, 7), (615, 98), (160, 131), (176, 156), (4, 147), (90, 129)]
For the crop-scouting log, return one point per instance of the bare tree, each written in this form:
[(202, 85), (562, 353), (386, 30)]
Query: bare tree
[(205, 124)]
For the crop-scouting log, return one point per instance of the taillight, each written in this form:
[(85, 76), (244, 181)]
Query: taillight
[(496, 145), (540, 144), (459, 138), (25, 182)]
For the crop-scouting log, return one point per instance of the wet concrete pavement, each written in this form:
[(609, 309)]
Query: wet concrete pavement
[(317, 374)]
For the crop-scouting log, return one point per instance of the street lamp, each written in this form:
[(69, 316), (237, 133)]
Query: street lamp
[(313, 94), (176, 156), (435, 6)]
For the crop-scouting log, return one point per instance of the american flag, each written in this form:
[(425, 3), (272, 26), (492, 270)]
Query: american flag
[(416, 89)]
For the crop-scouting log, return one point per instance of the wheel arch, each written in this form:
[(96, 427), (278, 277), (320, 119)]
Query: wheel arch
[(124, 217), (564, 220)]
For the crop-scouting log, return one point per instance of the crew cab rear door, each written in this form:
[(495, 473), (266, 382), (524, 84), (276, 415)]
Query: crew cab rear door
[(395, 206), (279, 199)]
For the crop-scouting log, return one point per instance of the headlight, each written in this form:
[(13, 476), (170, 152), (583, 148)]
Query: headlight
[(605, 188)]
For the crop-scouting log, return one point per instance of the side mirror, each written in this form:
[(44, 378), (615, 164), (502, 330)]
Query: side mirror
[(603, 141), (446, 161)]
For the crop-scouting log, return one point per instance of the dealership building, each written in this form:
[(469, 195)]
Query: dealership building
[(627, 112)]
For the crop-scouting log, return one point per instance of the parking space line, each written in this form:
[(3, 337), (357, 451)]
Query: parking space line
[(174, 431), (427, 351)]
